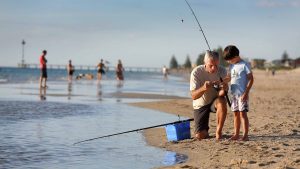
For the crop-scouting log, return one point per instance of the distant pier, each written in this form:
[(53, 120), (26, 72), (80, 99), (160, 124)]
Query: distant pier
[(88, 67)]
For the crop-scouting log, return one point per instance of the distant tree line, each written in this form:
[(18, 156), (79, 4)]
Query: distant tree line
[(199, 61)]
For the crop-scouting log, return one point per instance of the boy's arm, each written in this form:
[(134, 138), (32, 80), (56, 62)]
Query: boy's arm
[(249, 85)]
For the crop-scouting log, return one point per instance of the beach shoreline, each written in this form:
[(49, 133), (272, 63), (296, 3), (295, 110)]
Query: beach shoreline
[(274, 128)]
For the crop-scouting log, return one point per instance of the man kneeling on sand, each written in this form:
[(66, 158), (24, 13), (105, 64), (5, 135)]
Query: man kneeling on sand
[(208, 95)]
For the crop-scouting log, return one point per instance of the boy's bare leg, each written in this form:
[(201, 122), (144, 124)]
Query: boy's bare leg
[(221, 116), (245, 122), (237, 124)]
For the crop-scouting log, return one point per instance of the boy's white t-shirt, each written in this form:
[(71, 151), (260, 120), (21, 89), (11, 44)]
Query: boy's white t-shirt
[(238, 74)]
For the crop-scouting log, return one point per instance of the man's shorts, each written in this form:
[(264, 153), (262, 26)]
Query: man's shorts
[(238, 105), (201, 117)]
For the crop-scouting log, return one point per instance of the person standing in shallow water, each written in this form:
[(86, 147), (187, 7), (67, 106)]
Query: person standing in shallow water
[(100, 70), (241, 80), (165, 72), (119, 71), (208, 95), (43, 67), (70, 69)]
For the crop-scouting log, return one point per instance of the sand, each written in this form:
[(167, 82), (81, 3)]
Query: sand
[(274, 128)]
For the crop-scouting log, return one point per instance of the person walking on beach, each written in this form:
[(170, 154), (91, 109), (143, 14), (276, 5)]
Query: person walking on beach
[(70, 69), (43, 67), (241, 80), (208, 95), (100, 70), (119, 71)]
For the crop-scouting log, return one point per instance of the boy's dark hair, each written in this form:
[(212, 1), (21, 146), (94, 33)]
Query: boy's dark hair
[(44, 52), (230, 52)]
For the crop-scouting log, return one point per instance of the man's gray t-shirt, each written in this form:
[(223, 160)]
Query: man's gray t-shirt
[(198, 77)]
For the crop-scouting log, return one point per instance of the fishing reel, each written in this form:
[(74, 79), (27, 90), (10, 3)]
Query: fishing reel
[(217, 87)]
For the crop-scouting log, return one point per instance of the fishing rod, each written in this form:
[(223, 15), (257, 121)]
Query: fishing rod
[(226, 95), (198, 24), (135, 130)]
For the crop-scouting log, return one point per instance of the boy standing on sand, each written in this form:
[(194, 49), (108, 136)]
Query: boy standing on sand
[(241, 80)]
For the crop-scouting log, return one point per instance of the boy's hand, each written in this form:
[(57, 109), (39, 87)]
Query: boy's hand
[(244, 97)]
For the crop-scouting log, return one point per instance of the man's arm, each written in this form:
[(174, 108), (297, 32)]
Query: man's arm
[(196, 94)]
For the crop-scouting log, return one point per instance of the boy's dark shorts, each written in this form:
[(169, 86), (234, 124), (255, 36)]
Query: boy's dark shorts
[(201, 117), (44, 73)]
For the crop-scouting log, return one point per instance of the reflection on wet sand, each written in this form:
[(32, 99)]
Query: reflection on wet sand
[(99, 91), (70, 87), (172, 158), (119, 90)]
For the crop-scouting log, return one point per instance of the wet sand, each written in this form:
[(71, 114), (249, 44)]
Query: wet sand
[(274, 128)]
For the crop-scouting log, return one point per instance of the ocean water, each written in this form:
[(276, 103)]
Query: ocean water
[(37, 133)]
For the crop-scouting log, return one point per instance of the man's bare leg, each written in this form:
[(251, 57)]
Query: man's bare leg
[(221, 115)]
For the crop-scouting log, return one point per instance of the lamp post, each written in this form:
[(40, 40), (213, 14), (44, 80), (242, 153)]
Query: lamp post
[(23, 60)]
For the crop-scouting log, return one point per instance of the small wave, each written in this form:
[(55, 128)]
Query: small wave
[(3, 80)]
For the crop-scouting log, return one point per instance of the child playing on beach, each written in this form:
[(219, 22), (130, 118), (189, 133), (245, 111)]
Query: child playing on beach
[(241, 79)]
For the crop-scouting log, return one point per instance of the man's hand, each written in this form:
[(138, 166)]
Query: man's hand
[(223, 86), (207, 85), (196, 94)]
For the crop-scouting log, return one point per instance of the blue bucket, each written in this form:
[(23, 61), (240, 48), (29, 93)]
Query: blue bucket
[(179, 131)]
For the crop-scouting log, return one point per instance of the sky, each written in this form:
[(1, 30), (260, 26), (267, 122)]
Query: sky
[(145, 33)]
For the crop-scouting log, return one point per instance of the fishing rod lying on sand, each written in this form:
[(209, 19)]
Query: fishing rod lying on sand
[(136, 130), (226, 95)]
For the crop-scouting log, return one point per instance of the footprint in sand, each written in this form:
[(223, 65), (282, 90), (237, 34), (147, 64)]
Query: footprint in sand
[(279, 155), (275, 148), (296, 149), (267, 163), (252, 162)]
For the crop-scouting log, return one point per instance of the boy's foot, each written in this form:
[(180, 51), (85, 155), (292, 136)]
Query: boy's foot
[(234, 137), (218, 136)]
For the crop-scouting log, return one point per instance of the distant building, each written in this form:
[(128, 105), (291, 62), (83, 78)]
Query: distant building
[(288, 63), (297, 62), (258, 63)]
